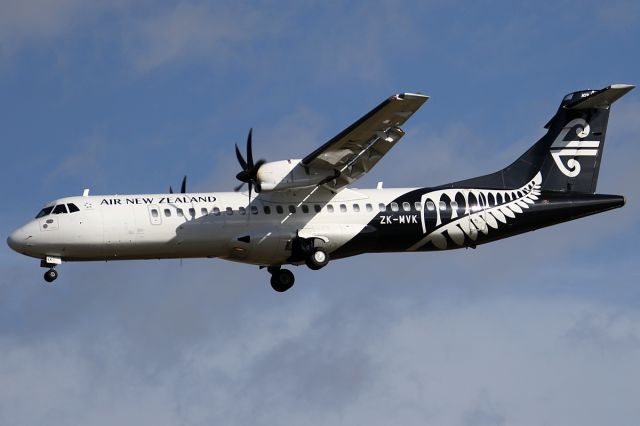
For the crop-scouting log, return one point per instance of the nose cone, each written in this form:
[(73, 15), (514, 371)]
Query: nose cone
[(18, 240)]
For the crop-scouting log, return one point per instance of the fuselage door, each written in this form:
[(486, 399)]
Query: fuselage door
[(155, 215), (477, 214)]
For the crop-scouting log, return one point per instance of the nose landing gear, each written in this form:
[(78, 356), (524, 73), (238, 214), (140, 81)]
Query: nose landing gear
[(50, 262), (51, 275)]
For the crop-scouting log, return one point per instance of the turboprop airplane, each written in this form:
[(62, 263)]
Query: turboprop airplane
[(303, 211)]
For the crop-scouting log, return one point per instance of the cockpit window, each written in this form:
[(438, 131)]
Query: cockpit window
[(72, 208), (59, 209), (44, 212)]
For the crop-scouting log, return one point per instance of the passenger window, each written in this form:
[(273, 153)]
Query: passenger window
[(72, 208), (443, 205), (204, 211), (394, 207), (267, 210), (154, 213), (279, 209), (343, 208), (242, 210), (418, 206), (430, 205), (179, 212), (192, 212), (406, 206), (44, 212), (254, 209), (330, 208), (382, 207), (356, 208), (167, 212), (229, 211), (292, 209), (369, 207), (60, 209), (317, 208), (216, 211), (305, 208)]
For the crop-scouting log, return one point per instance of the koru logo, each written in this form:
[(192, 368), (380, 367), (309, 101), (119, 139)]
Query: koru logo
[(573, 148)]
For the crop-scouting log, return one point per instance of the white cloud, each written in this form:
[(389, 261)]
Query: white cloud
[(196, 30), (487, 361), (42, 21)]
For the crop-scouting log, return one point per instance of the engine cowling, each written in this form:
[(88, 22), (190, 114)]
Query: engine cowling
[(287, 174)]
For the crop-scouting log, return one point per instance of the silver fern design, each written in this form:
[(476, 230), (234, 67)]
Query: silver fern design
[(473, 211)]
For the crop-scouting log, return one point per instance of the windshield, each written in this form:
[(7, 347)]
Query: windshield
[(44, 212)]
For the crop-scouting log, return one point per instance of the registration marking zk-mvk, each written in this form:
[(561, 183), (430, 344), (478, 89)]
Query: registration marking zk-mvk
[(403, 218)]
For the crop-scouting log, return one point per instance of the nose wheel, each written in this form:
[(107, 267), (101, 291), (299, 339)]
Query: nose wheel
[(281, 279), (51, 275)]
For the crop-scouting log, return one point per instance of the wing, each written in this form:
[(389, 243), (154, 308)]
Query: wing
[(355, 150)]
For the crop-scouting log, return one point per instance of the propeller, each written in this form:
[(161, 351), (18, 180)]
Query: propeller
[(249, 173), (183, 186)]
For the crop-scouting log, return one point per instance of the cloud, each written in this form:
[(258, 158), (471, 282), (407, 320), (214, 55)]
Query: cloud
[(23, 23), (312, 360), (191, 30)]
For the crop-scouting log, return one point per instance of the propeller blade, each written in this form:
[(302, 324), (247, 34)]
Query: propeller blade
[(239, 187), (243, 163), (183, 186), (250, 149), (170, 190)]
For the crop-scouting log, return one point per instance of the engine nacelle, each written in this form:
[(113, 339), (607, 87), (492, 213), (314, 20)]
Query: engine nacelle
[(286, 174)]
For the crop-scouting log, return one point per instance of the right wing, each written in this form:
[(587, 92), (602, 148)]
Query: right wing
[(355, 150)]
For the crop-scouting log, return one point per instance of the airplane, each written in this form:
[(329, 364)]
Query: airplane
[(304, 211)]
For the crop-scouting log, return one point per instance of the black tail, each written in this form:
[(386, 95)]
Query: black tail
[(568, 156)]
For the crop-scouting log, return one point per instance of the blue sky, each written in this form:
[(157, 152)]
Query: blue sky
[(122, 96)]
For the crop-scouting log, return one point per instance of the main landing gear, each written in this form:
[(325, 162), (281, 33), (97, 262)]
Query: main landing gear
[(317, 258), (281, 279)]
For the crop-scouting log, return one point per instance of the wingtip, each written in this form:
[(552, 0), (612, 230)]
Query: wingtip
[(623, 86), (410, 95)]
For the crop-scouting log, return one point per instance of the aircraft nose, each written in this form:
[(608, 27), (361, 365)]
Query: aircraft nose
[(18, 239)]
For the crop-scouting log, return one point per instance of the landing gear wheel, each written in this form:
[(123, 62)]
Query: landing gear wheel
[(51, 275), (282, 280), (318, 258)]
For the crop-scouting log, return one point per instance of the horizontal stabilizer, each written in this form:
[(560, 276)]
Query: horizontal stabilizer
[(601, 98)]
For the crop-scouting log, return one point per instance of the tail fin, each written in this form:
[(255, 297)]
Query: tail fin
[(568, 156)]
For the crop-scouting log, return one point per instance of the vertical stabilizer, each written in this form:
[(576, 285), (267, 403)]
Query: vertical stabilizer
[(569, 155)]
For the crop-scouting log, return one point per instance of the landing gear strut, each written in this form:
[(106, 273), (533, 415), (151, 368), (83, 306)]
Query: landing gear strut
[(281, 279), (51, 275)]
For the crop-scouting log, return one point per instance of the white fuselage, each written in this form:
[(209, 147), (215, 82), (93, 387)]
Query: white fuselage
[(224, 225)]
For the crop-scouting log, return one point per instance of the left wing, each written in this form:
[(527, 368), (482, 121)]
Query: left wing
[(355, 150)]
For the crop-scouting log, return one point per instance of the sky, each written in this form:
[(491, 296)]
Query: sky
[(127, 97)]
